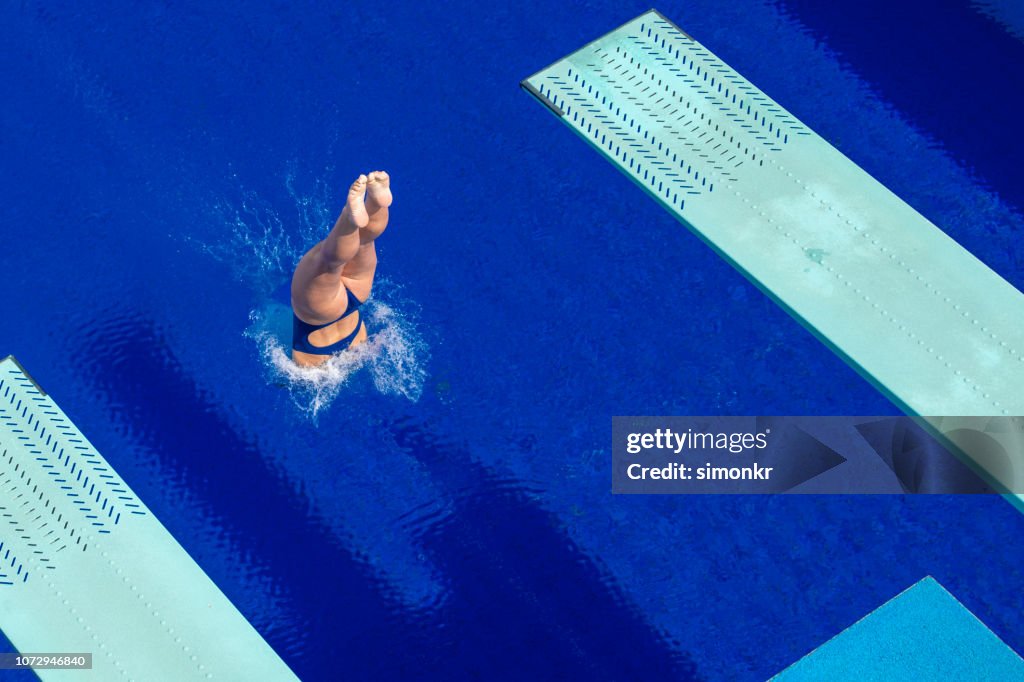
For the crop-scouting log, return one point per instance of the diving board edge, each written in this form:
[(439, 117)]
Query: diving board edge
[(24, 371), (87, 567), (742, 173), (924, 631), (525, 84)]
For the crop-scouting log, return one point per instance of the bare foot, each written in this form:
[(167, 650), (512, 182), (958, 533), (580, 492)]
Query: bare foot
[(355, 205), (378, 198)]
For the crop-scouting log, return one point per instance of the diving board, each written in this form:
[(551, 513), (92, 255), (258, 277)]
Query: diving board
[(926, 322), (922, 634), (85, 567)]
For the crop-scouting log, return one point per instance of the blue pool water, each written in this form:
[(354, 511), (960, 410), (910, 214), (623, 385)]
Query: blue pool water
[(441, 508)]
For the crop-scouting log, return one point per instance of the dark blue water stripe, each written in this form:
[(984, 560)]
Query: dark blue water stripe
[(953, 72), (523, 603)]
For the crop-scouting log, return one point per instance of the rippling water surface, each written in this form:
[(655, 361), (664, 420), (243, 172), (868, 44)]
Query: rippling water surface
[(437, 505)]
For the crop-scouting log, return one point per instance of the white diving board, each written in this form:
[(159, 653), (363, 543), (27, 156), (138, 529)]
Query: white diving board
[(931, 326), (85, 567)]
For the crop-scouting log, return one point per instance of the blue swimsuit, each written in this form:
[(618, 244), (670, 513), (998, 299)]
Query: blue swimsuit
[(301, 331)]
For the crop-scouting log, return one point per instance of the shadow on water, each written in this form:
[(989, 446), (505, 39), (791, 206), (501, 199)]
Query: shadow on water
[(269, 525), (525, 590), (523, 602), (916, 70)]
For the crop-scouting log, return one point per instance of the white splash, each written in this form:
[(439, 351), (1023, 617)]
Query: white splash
[(260, 247), (394, 355), (262, 250)]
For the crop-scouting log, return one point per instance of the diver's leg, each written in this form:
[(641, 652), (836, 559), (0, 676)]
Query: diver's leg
[(317, 292), (359, 270)]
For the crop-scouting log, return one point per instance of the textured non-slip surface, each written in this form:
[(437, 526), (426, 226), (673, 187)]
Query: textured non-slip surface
[(928, 323), (85, 567)]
